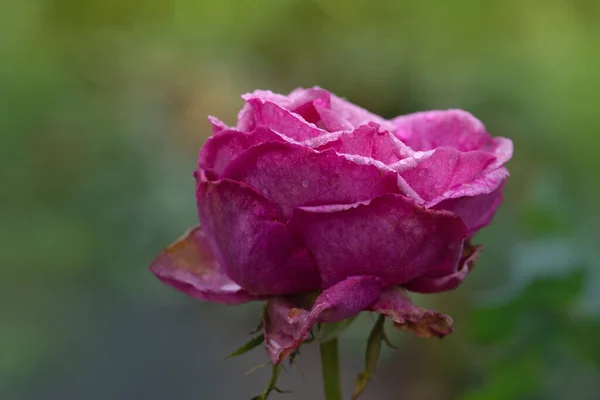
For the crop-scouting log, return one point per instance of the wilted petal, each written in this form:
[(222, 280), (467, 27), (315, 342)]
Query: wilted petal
[(428, 130), (225, 145), (288, 324), (389, 237), (396, 305), (435, 284), (189, 266), (254, 247), (292, 175)]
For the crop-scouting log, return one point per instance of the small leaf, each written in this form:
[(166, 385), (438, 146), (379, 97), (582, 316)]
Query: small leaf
[(376, 336), (251, 344)]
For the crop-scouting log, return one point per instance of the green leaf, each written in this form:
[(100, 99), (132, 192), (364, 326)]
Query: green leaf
[(254, 342)]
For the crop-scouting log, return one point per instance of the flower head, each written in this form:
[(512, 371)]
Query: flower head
[(325, 210)]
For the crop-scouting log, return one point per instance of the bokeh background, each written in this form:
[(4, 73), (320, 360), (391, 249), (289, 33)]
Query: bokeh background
[(103, 107)]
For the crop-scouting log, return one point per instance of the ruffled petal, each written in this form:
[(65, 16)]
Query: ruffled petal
[(270, 115), (356, 115), (475, 202), (366, 141), (436, 284), (189, 266), (292, 175), (225, 145), (288, 324), (217, 124), (428, 130), (443, 169), (251, 243), (395, 304), (389, 237)]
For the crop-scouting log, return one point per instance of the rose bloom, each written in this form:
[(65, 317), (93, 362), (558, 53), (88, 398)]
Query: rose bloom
[(326, 210)]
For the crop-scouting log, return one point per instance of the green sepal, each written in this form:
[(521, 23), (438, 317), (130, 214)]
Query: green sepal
[(329, 331), (376, 337), (251, 344), (271, 387)]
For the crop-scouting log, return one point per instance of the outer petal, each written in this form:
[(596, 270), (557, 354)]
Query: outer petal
[(475, 202), (432, 129), (293, 175), (444, 169), (189, 266), (435, 284), (225, 145), (389, 237), (287, 324), (395, 304), (254, 247)]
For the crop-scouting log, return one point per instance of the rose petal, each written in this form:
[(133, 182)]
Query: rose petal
[(189, 266), (428, 130), (293, 175), (476, 202), (435, 284), (287, 324), (217, 124), (356, 115), (443, 169), (502, 148), (225, 145), (270, 115), (396, 305), (366, 141), (389, 237), (254, 247)]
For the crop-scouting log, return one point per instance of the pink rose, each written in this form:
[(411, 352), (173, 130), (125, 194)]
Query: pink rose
[(310, 194)]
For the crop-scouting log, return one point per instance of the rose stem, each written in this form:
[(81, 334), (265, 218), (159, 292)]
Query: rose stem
[(330, 365)]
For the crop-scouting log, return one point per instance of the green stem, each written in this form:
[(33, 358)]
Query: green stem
[(330, 365)]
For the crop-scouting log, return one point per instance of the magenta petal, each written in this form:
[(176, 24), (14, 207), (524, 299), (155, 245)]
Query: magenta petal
[(436, 284), (270, 115), (254, 247), (396, 305), (366, 141), (389, 237), (428, 130), (356, 115), (221, 148), (331, 120), (445, 168), (300, 101), (217, 124), (189, 266), (475, 202), (292, 175), (287, 324)]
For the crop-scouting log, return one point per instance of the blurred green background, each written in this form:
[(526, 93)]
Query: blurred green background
[(103, 107)]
